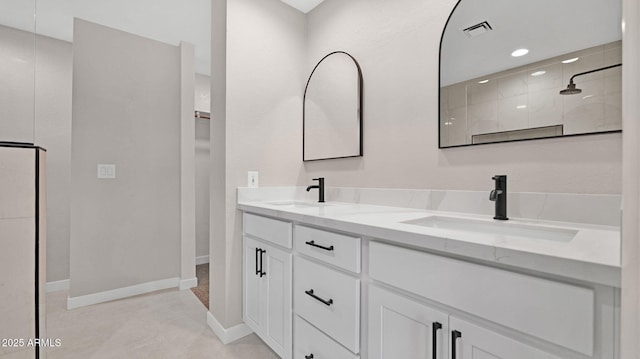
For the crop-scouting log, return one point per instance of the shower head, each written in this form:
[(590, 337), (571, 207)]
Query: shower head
[(571, 89)]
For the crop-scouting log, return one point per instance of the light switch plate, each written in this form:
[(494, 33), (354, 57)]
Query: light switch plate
[(106, 171), (252, 179)]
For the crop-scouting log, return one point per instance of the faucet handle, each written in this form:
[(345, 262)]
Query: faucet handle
[(318, 179), (493, 195)]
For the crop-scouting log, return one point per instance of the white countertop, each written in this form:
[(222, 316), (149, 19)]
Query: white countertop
[(593, 255)]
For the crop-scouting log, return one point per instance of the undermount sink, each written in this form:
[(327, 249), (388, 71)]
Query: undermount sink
[(297, 204), (498, 228)]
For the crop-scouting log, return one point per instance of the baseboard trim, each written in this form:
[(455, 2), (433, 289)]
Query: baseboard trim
[(227, 335), (57, 286), (109, 295), (188, 283), (202, 260)]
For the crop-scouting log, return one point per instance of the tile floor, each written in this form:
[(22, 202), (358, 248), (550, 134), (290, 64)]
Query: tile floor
[(167, 324)]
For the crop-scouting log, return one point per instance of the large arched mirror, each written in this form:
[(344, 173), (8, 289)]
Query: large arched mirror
[(332, 109), (511, 70)]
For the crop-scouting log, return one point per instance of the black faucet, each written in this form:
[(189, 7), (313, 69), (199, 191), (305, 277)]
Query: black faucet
[(499, 195), (320, 187)]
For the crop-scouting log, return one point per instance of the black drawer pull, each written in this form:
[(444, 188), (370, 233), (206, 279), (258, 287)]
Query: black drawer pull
[(454, 336), (435, 326), (313, 244), (325, 302), (310, 356)]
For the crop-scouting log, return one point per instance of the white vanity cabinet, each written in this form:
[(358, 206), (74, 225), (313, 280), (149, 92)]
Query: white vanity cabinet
[(476, 342), (350, 296), (400, 327), (403, 328), (560, 319), (267, 308)]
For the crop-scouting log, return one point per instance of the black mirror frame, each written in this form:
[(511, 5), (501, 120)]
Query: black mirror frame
[(360, 110), (494, 142)]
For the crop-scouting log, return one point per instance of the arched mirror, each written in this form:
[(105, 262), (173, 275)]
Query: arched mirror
[(511, 70), (332, 109)]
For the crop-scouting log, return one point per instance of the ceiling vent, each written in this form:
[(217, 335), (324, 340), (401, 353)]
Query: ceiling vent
[(478, 29)]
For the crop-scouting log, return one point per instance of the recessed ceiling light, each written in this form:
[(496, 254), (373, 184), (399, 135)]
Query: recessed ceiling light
[(570, 60), (483, 81), (520, 52), (538, 73), (520, 107)]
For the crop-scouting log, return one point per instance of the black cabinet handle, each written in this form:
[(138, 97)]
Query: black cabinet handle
[(310, 356), (257, 270), (454, 336), (325, 302), (262, 273), (313, 244), (435, 326)]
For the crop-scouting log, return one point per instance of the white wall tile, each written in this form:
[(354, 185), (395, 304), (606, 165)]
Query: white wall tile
[(512, 113), (545, 108), (483, 118), (512, 85), (480, 93), (551, 79), (457, 96)]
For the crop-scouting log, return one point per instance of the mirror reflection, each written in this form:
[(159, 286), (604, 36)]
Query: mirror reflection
[(510, 70), (332, 115)]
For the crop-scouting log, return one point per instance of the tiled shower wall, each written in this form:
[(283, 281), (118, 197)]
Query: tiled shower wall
[(515, 99)]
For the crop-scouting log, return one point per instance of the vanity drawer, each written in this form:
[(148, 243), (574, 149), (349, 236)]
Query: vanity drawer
[(268, 229), (557, 312), (329, 300), (338, 249), (310, 341)]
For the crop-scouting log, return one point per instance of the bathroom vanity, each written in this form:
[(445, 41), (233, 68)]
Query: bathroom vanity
[(348, 280)]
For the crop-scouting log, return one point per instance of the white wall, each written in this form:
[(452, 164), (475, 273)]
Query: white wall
[(631, 190), (53, 132), (126, 111), (260, 121), (396, 43)]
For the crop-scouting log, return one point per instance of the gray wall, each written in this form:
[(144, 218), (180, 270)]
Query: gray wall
[(126, 111), (203, 103), (53, 132), (17, 65), (52, 113)]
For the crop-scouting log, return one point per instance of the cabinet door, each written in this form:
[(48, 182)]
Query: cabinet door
[(402, 328), (277, 297), (475, 342), (252, 301)]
